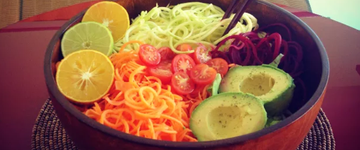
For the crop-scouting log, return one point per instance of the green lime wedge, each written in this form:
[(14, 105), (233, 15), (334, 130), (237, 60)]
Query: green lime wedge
[(87, 35)]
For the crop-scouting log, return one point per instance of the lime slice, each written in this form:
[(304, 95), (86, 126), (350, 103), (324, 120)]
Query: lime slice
[(87, 35)]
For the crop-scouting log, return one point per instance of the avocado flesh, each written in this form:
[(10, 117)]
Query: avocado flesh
[(271, 85), (227, 115)]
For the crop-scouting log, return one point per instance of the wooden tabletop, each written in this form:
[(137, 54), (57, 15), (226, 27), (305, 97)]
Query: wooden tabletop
[(23, 90)]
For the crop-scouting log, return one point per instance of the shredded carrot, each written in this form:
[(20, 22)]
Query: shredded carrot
[(57, 65), (232, 65), (130, 42), (142, 105)]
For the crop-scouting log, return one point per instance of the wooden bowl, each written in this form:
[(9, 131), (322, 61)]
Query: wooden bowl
[(88, 134)]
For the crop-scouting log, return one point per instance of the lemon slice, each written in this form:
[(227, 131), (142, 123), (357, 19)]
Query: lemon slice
[(87, 35), (112, 15), (85, 76)]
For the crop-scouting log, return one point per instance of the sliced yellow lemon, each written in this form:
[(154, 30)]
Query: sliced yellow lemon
[(112, 15), (85, 76)]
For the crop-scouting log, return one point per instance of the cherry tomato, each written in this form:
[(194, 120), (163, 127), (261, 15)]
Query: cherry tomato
[(201, 54), (149, 55), (202, 74), (184, 47), (166, 53), (181, 83), (162, 71), (182, 62), (219, 64), (197, 90)]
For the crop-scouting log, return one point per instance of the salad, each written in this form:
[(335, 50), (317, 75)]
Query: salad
[(172, 75)]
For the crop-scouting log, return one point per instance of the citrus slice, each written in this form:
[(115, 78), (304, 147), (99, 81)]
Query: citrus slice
[(85, 76), (87, 35), (110, 14)]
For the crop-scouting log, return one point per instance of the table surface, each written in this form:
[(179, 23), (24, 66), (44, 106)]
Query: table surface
[(23, 89)]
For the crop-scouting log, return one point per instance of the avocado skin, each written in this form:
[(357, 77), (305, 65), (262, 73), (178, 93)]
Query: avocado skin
[(272, 121), (200, 130), (277, 105)]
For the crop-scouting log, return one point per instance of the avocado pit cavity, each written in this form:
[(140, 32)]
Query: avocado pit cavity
[(258, 84), (225, 122)]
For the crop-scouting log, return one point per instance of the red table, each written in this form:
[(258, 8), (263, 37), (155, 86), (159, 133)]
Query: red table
[(23, 90)]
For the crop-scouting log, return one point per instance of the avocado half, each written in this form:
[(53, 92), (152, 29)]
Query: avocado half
[(227, 115), (271, 85)]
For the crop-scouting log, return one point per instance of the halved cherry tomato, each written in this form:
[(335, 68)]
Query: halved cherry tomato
[(184, 47), (201, 54), (220, 65), (149, 55), (166, 53), (198, 89), (181, 83), (162, 71), (202, 74), (182, 62)]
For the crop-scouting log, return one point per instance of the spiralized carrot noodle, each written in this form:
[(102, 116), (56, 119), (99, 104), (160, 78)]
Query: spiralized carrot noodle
[(141, 105)]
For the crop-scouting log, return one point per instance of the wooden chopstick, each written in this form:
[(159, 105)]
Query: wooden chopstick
[(230, 10), (234, 4)]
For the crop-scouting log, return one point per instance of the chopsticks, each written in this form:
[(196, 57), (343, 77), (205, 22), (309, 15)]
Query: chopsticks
[(234, 4)]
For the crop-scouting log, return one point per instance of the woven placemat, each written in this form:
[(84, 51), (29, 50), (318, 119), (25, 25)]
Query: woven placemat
[(49, 134), (9, 12), (35, 7)]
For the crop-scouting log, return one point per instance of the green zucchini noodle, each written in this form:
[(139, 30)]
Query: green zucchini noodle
[(192, 22)]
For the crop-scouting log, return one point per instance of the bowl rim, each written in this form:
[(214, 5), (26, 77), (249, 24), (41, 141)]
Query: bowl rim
[(52, 88)]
